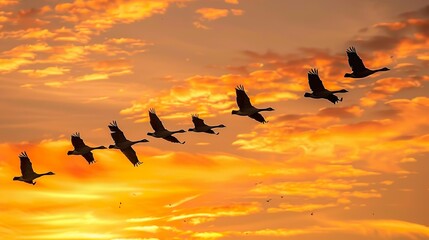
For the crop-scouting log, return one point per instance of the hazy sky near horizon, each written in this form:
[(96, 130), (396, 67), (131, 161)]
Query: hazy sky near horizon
[(74, 66)]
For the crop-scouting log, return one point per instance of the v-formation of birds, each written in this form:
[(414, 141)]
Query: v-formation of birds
[(245, 109)]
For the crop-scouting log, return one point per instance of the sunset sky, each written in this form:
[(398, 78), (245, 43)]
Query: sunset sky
[(359, 166)]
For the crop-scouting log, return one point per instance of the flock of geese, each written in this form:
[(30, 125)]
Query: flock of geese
[(245, 109)]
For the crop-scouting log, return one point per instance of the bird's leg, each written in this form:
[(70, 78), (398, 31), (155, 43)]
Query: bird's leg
[(341, 99)]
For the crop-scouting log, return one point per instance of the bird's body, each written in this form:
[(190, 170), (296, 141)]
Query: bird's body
[(160, 130), (80, 148), (200, 126), (319, 91), (246, 108), (28, 175), (358, 67), (123, 144)]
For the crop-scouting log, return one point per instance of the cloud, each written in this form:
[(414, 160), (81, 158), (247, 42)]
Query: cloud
[(212, 13)]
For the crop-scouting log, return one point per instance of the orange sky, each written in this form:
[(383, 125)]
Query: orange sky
[(360, 166)]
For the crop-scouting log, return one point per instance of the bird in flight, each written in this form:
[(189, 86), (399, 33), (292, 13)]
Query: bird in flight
[(28, 175), (123, 144), (200, 126), (319, 91), (246, 108), (358, 68), (160, 131), (80, 148)]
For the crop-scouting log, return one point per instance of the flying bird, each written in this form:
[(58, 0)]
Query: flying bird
[(28, 175), (319, 91), (80, 148), (200, 126), (160, 131), (246, 108), (123, 144), (358, 68)]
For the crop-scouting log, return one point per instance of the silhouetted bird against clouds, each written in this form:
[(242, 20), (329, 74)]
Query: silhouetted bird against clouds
[(80, 148), (358, 68), (319, 91), (246, 108), (200, 126), (160, 131), (122, 143), (28, 175)]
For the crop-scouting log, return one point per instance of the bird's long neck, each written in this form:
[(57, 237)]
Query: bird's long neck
[(99, 147), (381, 69), (339, 91), (43, 174), (265, 109), (218, 126), (143, 140), (179, 131)]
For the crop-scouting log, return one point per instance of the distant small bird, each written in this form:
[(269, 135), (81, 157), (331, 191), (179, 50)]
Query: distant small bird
[(80, 148), (160, 131), (200, 126), (311, 213), (358, 68), (123, 144), (28, 175), (269, 200), (319, 91), (246, 108)]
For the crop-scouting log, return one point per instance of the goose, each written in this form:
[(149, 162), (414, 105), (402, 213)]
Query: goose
[(200, 126), (123, 144), (246, 108), (28, 175), (160, 131), (319, 91), (358, 68), (80, 148)]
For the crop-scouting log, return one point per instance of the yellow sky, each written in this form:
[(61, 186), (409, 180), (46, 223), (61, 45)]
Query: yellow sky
[(359, 166)]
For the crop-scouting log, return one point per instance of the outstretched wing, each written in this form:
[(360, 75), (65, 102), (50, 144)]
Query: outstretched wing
[(258, 117), (77, 141), (131, 155), (116, 133), (89, 157), (243, 100), (173, 139), (26, 166), (198, 122), (332, 98), (154, 121), (314, 81), (355, 61)]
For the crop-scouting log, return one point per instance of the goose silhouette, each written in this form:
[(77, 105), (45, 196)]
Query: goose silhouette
[(319, 91), (28, 175), (160, 131), (358, 68), (246, 108), (80, 148), (123, 144), (200, 126)]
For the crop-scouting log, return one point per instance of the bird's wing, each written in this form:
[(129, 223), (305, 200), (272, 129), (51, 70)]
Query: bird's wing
[(314, 81), (116, 133), (77, 141), (131, 155), (198, 122), (89, 157), (332, 98), (173, 139), (258, 117), (154, 121), (26, 166), (243, 100), (355, 61)]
